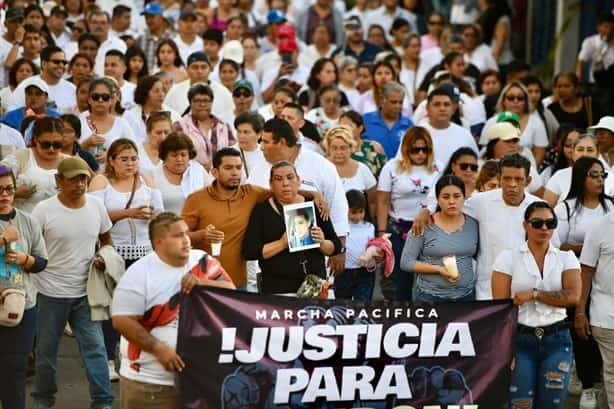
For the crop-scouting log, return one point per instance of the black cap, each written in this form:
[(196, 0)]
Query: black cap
[(198, 56), (59, 10), (187, 13), (450, 89), (13, 14)]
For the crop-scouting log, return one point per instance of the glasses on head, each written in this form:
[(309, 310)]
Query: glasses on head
[(539, 223), (465, 166), (59, 62), (202, 101), (595, 174), (511, 98), (100, 97), (242, 94), (8, 189), (46, 145), (418, 149)]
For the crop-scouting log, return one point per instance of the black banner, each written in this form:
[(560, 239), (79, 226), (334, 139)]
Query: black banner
[(248, 351)]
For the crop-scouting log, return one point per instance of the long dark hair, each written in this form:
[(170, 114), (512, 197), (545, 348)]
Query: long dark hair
[(313, 82), (178, 62), (578, 179), (562, 134), (460, 152), (490, 17), (448, 180), (132, 52)]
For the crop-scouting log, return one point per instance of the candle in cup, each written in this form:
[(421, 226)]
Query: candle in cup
[(449, 263), (216, 249)]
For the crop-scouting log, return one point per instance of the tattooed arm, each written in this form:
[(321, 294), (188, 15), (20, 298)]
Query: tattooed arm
[(134, 332), (569, 296)]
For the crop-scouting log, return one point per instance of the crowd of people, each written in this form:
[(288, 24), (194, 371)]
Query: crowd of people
[(156, 146)]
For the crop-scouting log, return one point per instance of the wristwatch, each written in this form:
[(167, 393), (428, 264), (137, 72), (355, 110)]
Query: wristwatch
[(342, 250)]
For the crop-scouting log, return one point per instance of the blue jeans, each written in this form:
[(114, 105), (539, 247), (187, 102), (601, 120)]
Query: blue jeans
[(53, 313), (15, 346), (420, 296), (542, 370), (355, 284)]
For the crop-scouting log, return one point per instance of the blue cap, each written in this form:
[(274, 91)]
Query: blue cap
[(153, 9), (275, 16), (198, 56)]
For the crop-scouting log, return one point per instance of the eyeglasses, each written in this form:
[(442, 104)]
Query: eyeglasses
[(595, 174), (418, 149), (100, 97), (46, 145), (436, 23), (518, 98), (59, 62), (465, 166), (539, 223), (242, 94), (8, 189), (203, 101)]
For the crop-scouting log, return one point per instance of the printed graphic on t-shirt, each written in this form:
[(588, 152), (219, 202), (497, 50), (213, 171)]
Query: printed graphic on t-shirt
[(10, 274)]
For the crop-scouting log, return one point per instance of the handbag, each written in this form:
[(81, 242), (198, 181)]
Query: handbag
[(12, 306)]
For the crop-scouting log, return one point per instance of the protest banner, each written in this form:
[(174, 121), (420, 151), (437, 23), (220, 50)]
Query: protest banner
[(248, 351)]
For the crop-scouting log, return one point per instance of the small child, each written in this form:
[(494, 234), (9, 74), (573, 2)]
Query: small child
[(356, 282)]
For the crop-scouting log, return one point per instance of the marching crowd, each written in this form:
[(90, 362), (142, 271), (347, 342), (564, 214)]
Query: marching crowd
[(148, 147)]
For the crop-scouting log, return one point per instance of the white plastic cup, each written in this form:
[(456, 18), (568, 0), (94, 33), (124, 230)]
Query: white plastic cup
[(449, 263), (216, 249)]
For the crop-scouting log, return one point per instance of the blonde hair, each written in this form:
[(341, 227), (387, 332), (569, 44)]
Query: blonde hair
[(414, 134), (515, 84), (342, 132)]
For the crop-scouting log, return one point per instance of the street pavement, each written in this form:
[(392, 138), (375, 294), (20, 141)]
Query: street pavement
[(73, 392)]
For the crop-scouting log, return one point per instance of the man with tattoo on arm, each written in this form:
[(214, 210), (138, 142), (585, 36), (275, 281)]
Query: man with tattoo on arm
[(145, 311)]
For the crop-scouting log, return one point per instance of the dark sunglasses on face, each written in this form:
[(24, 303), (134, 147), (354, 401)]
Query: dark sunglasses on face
[(539, 223), (595, 174), (518, 98), (59, 62), (8, 189), (48, 145), (465, 166), (244, 94), (99, 97), (418, 149)]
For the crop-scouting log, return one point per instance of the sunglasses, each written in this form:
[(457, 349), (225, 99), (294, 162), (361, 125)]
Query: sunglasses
[(465, 166), (539, 223), (59, 62), (518, 98), (48, 145), (100, 97), (9, 190), (419, 149), (595, 174), (244, 94)]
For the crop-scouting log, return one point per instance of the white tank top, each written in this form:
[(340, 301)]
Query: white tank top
[(172, 195), (43, 179), (130, 236)]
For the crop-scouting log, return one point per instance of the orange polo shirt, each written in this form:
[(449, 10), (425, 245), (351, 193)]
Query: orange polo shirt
[(231, 216)]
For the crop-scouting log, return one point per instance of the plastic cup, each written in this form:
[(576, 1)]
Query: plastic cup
[(449, 263), (216, 249)]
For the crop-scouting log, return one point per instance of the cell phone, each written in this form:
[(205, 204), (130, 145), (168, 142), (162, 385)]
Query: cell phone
[(286, 58)]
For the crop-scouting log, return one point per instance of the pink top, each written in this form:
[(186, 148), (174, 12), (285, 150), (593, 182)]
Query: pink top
[(217, 23), (427, 42)]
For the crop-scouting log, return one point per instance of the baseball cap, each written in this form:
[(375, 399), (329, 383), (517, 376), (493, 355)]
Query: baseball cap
[(504, 131), (187, 13), (198, 56), (508, 116), (450, 89), (607, 122), (59, 10), (13, 14), (275, 16), (37, 82), (286, 30), (287, 45), (232, 50), (243, 84), (352, 21), (73, 166), (153, 9)]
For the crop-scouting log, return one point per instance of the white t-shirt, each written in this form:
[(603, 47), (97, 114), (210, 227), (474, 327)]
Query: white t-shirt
[(598, 252), (595, 49), (177, 99), (70, 236), (482, 58), (447, 141), (10, 137), (520, 264), (408, 191), (120, 129), (534, 133), (186, 49), (147, 283), (5, 49), (127, 91), (63, 94), (581, 220), (560, 183), (356, 242), (362, 180), (112, 43)]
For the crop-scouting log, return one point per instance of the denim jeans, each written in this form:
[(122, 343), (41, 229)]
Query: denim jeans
[(542, 371), (420, 296), (355, 284), (15, 346), (605, 340), (53, 313)]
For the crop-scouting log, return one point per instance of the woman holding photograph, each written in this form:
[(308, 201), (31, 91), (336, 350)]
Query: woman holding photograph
[(266, 239), (301, 222)]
